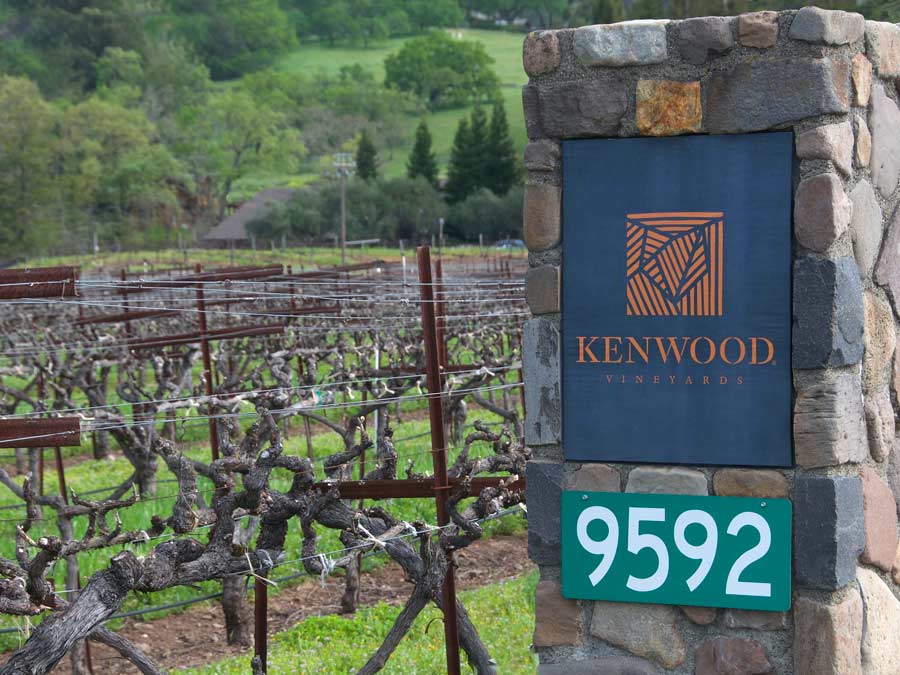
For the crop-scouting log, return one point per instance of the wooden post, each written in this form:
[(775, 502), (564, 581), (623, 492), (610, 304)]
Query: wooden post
[(207, 362)]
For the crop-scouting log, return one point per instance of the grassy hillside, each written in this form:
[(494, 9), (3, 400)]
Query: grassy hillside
[(505, 48)]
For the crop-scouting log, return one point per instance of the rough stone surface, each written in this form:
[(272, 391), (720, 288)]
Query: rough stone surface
[(895, 569), (822, 209), (887, 271), (755, 620), (880, 341), (893, 468), (581, 109), (884, 120), (608, 665), (812, 24), (667, 108), (731, 656), (862, 155), (880, 424), (828, 313), (883, 46), (702, 616), (833, 142), (752, 96), (758, 29), (750, 483), (644, 630), (704, 38), (895, 379), (595, 478), (628, 43), (540, 52), (542, 398), (828, 530), (541, 216), (865, 226), (861, 74), (558, 620), (542, 156), (543, 489), (833, 633), (666, 480), (542, 289), (880, 509), (829, 425), (881, 638), (531, 107)]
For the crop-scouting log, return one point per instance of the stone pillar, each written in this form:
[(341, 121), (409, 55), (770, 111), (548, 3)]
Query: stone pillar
[(830, 77)]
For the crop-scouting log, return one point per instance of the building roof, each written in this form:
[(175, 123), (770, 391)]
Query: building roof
[(234, 227)]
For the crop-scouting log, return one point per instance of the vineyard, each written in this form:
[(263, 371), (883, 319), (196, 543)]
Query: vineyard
[(181, 435)]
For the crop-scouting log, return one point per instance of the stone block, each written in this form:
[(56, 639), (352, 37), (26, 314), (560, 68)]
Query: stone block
[(531, 107), (731, 656), (543, 421), (755, 96), (862, 155), (884, 120), (703, 38), (758, 29), (829, 425), (822, 210), (595, 478), (832, 634), (822, 26), (543, 492), (542, 156), (649, 631), (861, 74), (893, 468), (887, 270), (895, 569), (702, 616), (880, 341), (558, 621), (880, 510), (828, 313), (880, 424), (629, 43), (608, 665), (828, 530), (865, 226), (763, 483), (881, 618), (582, 109), (542, 289), (755, 620), (540, 52), (541, 216), (883, 47), (667, 481), (668, 108), (833, 142)]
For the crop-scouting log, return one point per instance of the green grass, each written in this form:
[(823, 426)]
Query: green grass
[(503, 614), (504, 47)]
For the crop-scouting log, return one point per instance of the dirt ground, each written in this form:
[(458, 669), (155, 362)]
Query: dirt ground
[(174, 642)]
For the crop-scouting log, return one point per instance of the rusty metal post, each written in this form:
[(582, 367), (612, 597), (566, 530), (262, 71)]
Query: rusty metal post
[(261, 621), (207, 362), (40, 393), (439, 451), (61, 475), (440, 314)]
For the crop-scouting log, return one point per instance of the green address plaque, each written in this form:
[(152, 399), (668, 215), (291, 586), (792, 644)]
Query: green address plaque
[(677, 550)]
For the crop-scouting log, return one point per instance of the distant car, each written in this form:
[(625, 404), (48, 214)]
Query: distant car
[(510, 243)]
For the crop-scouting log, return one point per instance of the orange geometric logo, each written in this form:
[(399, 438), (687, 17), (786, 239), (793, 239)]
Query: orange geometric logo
[(674, 264)]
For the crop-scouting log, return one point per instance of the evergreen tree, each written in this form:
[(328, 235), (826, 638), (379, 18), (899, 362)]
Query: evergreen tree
[(421, 160), (366, 158), (459, 169), (479, 148), (501, 170)]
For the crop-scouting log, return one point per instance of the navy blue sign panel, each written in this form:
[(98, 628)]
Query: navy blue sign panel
[(676, 320)]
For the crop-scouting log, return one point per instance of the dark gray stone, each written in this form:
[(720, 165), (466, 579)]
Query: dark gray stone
[(542, 289), (531, 106), (829, 531), (542, 156), (582, 109), (704, 38), (828, 313), (543, 421), (884, 120), (887, 271), (628, 43), (763, 94), (812, 24), (544, 485), (607, 665), (829, 421)]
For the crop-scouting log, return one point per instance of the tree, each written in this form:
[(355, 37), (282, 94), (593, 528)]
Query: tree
[(485, 213), (479, 140), (366, 158), (501, 166), (434, 13), (459, 169), (422, 161), (443, 71)]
